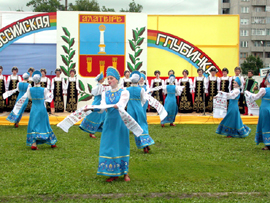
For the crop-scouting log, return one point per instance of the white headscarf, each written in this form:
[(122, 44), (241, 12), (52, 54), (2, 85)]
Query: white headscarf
[(135, 78), (25, 76), (172, 79), (36, 78)]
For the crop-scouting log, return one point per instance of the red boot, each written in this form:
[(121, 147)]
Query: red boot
[(16, 125), (246, 111), (53, 146), (162, 125), (34, 148), (171, 124), (111, 179), (145, 150)]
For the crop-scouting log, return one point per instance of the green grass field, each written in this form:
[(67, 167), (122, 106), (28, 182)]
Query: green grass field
[(188, 163)]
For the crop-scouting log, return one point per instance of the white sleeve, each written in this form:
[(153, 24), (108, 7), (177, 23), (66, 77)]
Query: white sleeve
[(96, 90), (257, 96), (20, 103), (103, 99), (48, 96), (143, 98), (232, 95), (20, 79), (218, 83), (77, 85), (28, 93), (52, 86), (152, 82), (48, 83), (206, 83), (165, 89), (18, 86), (194, 84), (242, 85), (147, 83), (64, 87), (7, 84), (123, 99), (230, 84), (191, 85)]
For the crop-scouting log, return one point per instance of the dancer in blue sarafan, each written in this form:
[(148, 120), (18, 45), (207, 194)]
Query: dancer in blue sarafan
[(22, 88), (114, 145), (232, 125), (93, 122), (135, 109), (263, 127), (39, 130), (170, 102), (142, 84)]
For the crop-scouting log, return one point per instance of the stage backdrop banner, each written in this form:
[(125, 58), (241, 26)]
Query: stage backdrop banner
[(89, 42), (190, 42)]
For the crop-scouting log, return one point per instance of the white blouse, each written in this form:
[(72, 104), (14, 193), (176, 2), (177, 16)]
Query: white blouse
[(156, 80), (4, 78), (205, 83), (257, 96), (210, 78), (230, 81), (178, 90), (11, 77), (97, 90), (71, 80), (168, 81), (123, 80), (58, 79)]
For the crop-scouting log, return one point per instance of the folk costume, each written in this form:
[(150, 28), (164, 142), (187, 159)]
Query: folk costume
[(12, 82), (126, 82), (114, 145), (241, 99), (58, 89), (250, 86), (232, 125), (158, 95), (72, 89), (31, 82), (135, 109), (263, 127), (2, 91), (22, 87), (145, 87), (93, 122), (45, 83), (199, 89), (170, 102), (212, 90), (185, 100), (39, 130)]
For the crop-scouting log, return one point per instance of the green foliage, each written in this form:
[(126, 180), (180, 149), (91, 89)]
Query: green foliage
[(104, 9), (45, 5), (135, 47), (84, 5), (252, 63), (185, 160), (133, 7)]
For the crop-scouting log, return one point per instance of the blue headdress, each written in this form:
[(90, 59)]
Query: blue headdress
[(172, 76), (237, 79), (99, 77), (143, 76), (36, 72), (112, 71)]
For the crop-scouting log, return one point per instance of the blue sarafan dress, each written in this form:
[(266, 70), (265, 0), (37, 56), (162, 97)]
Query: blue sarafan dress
[(263, 126), (232, 124), (170, 104), (114, 145), (39, 129), (136, 111), (15, 118), (94, 122), (145, 106)]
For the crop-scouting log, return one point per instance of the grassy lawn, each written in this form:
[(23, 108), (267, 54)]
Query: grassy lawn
[(188, 163)]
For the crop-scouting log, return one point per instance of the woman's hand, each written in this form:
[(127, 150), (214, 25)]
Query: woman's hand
[(115, 106)]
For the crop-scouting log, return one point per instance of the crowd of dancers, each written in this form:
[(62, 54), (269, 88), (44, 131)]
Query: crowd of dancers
[(107, 113)]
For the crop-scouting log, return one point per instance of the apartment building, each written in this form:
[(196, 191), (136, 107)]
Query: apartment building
[(254, 26)]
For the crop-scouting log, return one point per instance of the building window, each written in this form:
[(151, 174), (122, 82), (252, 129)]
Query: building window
[(258, 54), (258, 20), (259, 9), (244, 21), (244, 44), (258, 43), (226, 1), (267, 54), (244, 33), (267, 43), (243, 55), (267, 8), (244, 9), (244, 0), (225, 11)]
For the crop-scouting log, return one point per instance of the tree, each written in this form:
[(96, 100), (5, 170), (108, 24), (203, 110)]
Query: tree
[(133, 7), (45, 5), (104, 9), (252, 63), (84, 5)]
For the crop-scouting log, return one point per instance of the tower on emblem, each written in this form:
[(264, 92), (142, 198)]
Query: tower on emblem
[(102, 46)]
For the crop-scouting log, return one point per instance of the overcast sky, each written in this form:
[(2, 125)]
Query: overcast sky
[(149, 6)]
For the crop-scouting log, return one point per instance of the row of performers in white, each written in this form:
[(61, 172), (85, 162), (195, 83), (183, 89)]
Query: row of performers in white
[(58, 86), (107, 114), (204, 89)]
